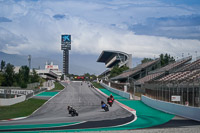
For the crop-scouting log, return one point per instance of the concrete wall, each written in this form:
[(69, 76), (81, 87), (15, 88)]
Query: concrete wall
[(119, 92), (49, 84), (11, 101), (176, 109), (15, 91)]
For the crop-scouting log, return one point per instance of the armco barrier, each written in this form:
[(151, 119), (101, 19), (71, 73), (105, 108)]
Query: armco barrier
[(119, 92), (176, 109), (11, 101)]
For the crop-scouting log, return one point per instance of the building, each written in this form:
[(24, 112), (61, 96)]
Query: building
[(51, 72), (114, 58)]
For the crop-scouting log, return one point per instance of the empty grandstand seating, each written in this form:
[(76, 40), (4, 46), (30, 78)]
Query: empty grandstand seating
[(136, 70), (161, 72), (173, 66), (191, 66), (182, 76), (148, 78)]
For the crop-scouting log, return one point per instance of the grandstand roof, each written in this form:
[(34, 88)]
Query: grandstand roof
[(107, 54), (105, 72), (112, 58)]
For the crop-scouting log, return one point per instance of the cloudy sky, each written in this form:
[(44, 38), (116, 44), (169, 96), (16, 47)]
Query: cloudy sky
[(144, 28)]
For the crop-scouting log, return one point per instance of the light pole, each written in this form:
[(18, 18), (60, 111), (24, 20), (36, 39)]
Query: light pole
[(129, 83), (182, 55), (29, 61), (196, 54)]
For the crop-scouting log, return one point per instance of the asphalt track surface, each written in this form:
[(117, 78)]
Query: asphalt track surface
[(85, 100)]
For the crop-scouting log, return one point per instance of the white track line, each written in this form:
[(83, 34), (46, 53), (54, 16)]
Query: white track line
[(123, 106)]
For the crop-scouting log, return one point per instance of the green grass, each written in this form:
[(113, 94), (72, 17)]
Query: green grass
[(22, 109), (97, 85), (58, 87)]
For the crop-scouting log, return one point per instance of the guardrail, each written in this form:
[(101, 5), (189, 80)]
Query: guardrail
[(11, 101), (121, 93), (172, 108)]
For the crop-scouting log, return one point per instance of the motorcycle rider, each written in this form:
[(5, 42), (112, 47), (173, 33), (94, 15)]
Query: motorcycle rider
[(109, 101), (104, 106), (111, 97), (72, 111)]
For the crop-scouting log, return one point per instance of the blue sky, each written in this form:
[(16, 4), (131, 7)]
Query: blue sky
[(143, 28)]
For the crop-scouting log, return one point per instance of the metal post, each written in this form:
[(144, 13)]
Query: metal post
[(187, 95), (196, 54), (182, 96), (193, 95), (199, 96), (169, 94), (157, 92), (162, 91)]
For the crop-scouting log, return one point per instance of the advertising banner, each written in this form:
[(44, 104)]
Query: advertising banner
[(176, 98)]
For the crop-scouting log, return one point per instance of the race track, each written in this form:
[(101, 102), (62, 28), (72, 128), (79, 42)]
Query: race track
[(85, 100)]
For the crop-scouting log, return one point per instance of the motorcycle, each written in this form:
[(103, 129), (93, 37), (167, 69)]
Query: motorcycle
[(110, 101), (106, 108), (72, 111)]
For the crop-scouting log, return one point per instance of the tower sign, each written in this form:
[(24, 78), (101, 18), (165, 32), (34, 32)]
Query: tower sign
[(65, 42), (65, 39), (66, 46)]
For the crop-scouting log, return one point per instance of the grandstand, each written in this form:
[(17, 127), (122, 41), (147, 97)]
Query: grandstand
[(138, 72), (177, 82), (163, 71), (182, 82)]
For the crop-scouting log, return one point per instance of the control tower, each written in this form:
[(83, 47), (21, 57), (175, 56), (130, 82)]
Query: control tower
[(66, 46)]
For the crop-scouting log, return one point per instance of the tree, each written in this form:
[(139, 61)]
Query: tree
[(166, 59), (9, 75), (23, 76), (1, 79), (34, 77), (3, 64), (146, 60), (162, 62), (62, 77), (117, 70)]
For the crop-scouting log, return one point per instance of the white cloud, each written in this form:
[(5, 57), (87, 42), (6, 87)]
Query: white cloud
[(89, 23)]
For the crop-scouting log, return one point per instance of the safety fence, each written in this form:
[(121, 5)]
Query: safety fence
[(184, 93), (119, 92)]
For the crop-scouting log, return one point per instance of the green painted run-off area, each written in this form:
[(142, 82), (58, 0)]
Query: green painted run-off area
[(47, 94)]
